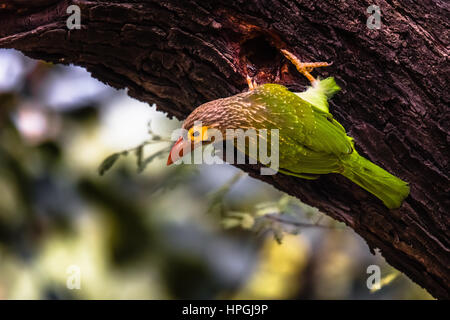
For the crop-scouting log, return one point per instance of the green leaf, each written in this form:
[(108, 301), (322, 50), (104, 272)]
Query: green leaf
[(247, 221), (242, 219), (228, 223), (139, 157), (264, 208), (148, 160), (284, 202), (108, 163), (278, 235)]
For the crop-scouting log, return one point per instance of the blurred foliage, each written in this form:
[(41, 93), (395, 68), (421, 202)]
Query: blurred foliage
[(141, 161), (178, 232)]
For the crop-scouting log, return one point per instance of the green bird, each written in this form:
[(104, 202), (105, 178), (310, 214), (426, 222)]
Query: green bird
[(311, 141)]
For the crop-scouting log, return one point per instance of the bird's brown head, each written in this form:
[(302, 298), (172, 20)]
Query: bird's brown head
[(220, 114)]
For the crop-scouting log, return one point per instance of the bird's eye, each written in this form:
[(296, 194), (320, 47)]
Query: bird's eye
[(198, 133)]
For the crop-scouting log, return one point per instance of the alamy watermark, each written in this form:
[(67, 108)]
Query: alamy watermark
[(74, 277), (74, 20), (374, 280), (374, 20)]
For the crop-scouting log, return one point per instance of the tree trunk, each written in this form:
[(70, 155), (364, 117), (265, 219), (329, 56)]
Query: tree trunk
[(394, 102)]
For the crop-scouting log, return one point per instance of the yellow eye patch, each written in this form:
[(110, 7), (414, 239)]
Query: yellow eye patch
[(198, 133)]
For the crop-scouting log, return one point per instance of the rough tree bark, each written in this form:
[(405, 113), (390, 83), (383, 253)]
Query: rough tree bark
[(394, 102)]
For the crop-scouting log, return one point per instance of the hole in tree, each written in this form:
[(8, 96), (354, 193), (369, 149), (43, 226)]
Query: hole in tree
[(260, 53)]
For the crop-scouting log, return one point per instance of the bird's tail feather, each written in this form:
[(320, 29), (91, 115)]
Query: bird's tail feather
[(388, 188), (319, 94)]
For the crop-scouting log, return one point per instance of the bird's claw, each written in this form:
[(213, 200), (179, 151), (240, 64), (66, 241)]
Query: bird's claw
[(304, 67), (251, 83)]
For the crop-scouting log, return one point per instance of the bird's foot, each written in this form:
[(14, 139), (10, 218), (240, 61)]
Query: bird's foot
[(304, 67), (251, 83)]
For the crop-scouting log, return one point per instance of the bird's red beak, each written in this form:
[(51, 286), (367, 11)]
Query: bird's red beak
[(179, 149)]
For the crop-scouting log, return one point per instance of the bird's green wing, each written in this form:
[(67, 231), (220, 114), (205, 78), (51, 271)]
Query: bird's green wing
[(318, 96), (310, 140), (301, 122)]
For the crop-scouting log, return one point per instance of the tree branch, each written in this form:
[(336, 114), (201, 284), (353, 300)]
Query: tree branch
[(394, 102)]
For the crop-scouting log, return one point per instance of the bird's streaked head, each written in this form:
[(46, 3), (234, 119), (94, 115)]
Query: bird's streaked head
[(220, 114), (196, 127)]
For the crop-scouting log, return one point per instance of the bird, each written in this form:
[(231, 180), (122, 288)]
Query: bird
[(311, 142)]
